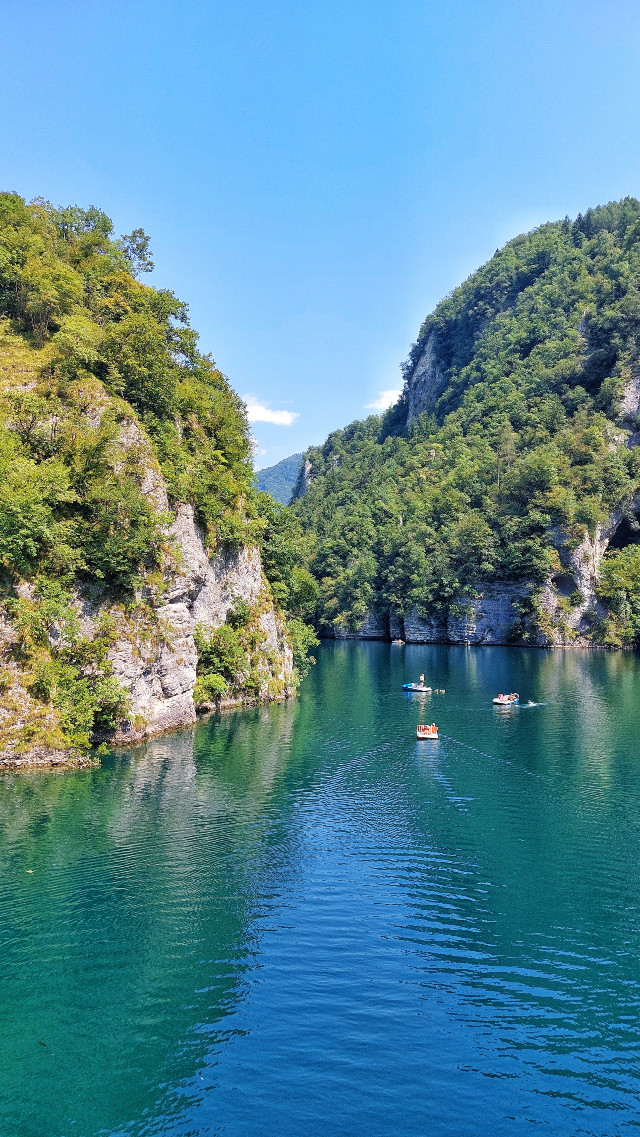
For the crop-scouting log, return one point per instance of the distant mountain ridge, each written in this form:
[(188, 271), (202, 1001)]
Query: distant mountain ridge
[(499, 499), (280, 480)]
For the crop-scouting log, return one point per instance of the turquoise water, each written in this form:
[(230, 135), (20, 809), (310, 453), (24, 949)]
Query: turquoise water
[(298, 920)]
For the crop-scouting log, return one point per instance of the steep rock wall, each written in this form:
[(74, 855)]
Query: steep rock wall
[(488, 618), (375, 626), (157, 663), (426, 382)]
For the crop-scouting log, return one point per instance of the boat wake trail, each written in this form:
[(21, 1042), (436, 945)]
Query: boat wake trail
[(468, 746), (485, 754)]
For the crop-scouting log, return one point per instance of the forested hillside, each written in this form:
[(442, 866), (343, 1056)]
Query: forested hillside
[(509, 465), (125, 487), (280, 480)]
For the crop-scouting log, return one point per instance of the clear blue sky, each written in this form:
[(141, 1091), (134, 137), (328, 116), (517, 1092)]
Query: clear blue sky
[(316, 175)]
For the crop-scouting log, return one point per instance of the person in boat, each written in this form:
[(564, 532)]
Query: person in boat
[(421, 681)]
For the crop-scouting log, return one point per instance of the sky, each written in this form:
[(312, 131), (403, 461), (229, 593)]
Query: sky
[(315, 175)]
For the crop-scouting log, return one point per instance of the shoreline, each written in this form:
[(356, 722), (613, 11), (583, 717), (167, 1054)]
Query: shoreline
[(583, 645), (62, 760)]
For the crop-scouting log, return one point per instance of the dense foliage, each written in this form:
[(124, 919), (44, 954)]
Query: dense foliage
[(522, 450), (619, 588), (71, 288), (104, 396), (69, 672)]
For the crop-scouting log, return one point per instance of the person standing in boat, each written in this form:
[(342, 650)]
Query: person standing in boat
[(421, 681)]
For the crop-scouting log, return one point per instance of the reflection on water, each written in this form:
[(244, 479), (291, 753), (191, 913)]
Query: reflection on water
[(298, 919)]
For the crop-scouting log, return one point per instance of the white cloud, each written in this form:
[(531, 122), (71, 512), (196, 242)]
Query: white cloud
[(257, 412), (385, 399)]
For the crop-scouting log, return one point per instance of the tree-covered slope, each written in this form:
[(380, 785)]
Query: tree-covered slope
[(280, 480), (111, 421), (512, 443)]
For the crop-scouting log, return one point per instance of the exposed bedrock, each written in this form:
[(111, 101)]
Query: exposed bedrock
[(157, 663), (426, 383)]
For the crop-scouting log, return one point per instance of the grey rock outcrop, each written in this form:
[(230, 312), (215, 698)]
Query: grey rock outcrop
[(425, 383), (305, 478), (156, 660), (488, 618), (375, 626), (630, 404)]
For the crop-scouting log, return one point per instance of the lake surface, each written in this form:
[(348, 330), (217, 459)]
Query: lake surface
[(297, 920)]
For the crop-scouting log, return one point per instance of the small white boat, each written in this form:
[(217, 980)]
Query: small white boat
[(507, 700), (429, 731)]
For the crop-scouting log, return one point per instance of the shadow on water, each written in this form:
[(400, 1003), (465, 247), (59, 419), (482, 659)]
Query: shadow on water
[(298, 919)]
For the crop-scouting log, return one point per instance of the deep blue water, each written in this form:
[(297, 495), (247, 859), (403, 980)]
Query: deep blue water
[(298, 920)]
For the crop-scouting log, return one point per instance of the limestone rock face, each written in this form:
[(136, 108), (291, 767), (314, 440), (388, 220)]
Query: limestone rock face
[(374, 627), (630, 404), (489, 618), (157, 663), (425, 383), (305, 479)]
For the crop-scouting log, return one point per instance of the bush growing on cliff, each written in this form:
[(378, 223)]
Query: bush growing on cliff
[(222, 651), (210, 687), (619, 589), (228, 660), (70, 672), (303, 640)]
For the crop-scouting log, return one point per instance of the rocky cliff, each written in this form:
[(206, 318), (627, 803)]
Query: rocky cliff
[(157, 662), (142, 578), (153, 653), (425, 382)]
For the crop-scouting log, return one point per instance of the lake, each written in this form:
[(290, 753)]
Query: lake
[(298, 920)]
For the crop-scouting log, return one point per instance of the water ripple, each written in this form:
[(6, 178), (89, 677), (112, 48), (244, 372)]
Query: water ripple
[(297, 919)]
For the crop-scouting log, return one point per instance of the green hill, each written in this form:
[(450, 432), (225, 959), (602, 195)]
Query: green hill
[(497, 500), (280, 480), (133, 547)]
